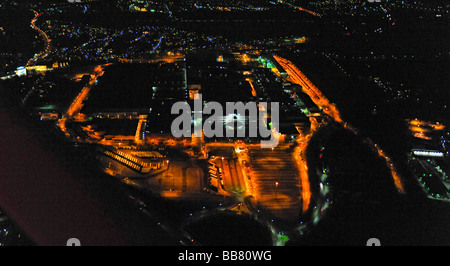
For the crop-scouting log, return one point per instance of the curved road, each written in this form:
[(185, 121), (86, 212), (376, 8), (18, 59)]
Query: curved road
[(297, 77), (44, 53)]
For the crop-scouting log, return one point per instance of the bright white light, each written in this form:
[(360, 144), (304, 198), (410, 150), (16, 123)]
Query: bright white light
[(428, 153)]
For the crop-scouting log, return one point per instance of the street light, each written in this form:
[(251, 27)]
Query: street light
[(276, 189)]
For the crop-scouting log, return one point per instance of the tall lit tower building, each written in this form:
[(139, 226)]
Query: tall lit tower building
[(140, 131)]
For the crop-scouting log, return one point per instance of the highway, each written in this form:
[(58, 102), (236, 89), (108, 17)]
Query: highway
[(47, 48), (78, 103), (297, 77), (302, 165), (303, 9)]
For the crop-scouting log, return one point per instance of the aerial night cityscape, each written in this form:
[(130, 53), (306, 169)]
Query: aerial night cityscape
[(239, 123)]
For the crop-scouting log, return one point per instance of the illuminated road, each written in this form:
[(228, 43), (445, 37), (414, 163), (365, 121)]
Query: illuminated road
[(47, 48), (425, 126), (77, 105), (253, 87), (167, 59), (303, 9), (297, 77), (421, 129), (302, 165), (310, 12)]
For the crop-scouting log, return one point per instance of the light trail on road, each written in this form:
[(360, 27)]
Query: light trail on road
[(44, 53), (303, 9)]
